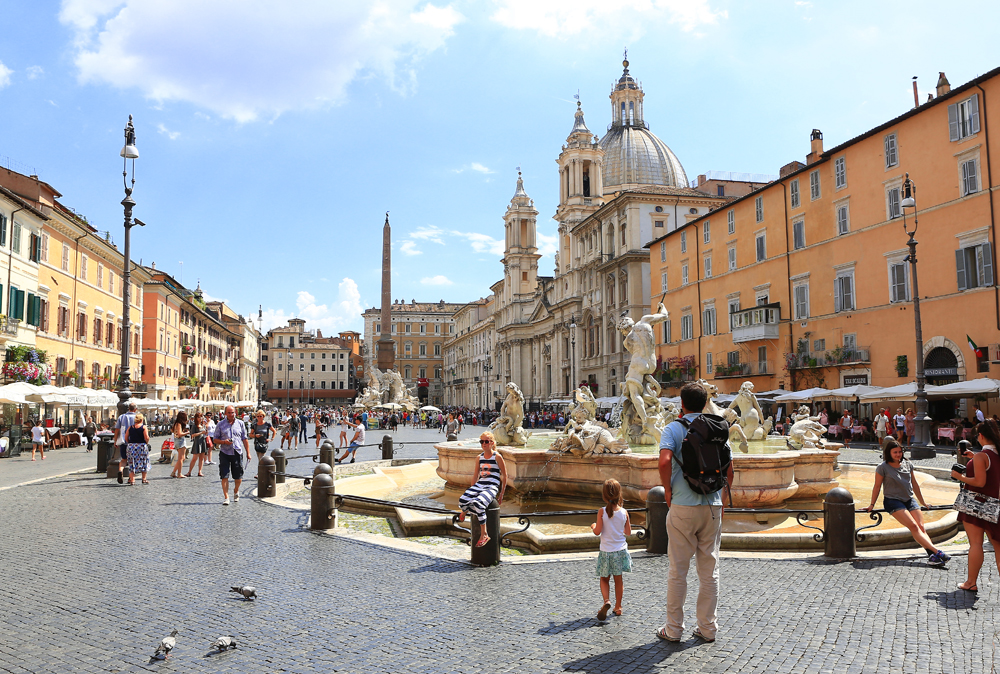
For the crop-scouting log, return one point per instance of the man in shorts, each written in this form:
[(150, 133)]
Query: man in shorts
[(125, 422), (357, 441), (229, 434)]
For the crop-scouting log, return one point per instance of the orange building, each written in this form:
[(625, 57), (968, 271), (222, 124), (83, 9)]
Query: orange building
[(806, 280)]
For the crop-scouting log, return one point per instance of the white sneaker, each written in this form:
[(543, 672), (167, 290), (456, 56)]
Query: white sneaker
[(236, 497), (225, 501)]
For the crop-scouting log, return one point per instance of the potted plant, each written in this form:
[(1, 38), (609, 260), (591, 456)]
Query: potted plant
[(902, 366)]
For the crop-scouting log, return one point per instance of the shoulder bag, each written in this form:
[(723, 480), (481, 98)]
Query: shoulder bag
[(974, 504)]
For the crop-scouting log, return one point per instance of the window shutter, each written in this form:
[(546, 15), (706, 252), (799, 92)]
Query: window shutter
[(847, 292), (3, 230), (974, 113), (953, 121), (960, 268), (31, 309), (965, 178), (987, 279), (838, 296), (20, 304)]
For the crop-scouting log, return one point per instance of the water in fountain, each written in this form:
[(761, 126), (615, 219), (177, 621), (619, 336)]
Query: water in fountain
[(616, 413)]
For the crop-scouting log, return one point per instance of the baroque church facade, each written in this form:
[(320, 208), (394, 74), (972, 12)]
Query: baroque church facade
[(616, 194)]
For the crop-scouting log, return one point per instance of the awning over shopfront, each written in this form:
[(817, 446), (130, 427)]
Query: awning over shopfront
[(901, 392), (806, 396), (850, 393), (968, 389)]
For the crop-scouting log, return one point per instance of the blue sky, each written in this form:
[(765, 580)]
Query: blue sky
[(275, 135)]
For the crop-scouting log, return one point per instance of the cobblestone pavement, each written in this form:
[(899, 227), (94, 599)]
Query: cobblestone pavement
[(96, 573)]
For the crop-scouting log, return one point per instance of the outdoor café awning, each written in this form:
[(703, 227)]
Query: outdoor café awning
[(968, 389), (806, 396), (850, 393), (901, 392)]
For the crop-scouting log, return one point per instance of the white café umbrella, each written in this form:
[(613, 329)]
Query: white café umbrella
[(851, 393), (901, 392), (807, 395), (429, 408), (968, 389)]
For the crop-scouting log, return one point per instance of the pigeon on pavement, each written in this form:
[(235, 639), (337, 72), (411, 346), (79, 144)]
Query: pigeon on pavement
[(166, 645), (249, 592), (224, 643)]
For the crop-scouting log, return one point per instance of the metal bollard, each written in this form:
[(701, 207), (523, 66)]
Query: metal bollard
[(386, 447), (111, 470), (280, 463), (656, 521), (327, 453), (489, 554), (839, 524), (104, 449), (265, 478), (322, 511), (324, 468)]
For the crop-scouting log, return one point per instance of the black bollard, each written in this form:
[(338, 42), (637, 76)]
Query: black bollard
[(489, 554), (104, 448), (265, 478), (386, 447), (111, 469), (322, 512), (656, 521), (324, 468), (327, 453), (280, 463), (839, 524)]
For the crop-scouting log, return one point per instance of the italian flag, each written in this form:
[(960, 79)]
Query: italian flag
[(976, 349)]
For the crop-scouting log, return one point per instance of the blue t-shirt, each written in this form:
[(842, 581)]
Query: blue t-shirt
[(682, 494), (236, 432)]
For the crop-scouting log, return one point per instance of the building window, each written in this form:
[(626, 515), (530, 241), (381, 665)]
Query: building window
[(799, 234), (843, 220), (975, 266), (734, 306), (684, 242), (819, 345), (437, 349), (759, 208), (708, 321), (843, 292), (761, 246), (663, 282), (666, 331), (963, 118), (892, 209), (731, 219), (891, 153), (707, 231), (794, 192), (658, 223), (970, 177), (15, 238), (814, 192), (663, 251), (687, 327), (684, 274), (83, 267), (801, 293), (423, 349), (839, 173), (732, 258), (708, 266), (312, 367), (708, 362), (899, 282)]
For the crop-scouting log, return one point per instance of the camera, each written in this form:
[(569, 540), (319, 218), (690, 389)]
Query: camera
[(958, 468)]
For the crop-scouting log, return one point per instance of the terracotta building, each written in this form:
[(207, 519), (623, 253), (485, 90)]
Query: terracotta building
[(806, 281), (303, 367)]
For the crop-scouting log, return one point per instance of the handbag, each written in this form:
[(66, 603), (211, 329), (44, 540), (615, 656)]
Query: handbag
[(978, 505)]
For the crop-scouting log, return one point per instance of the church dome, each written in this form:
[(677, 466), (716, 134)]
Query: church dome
[(633, 155)]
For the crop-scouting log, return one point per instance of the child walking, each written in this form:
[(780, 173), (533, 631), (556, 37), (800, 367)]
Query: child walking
[(612, 526)]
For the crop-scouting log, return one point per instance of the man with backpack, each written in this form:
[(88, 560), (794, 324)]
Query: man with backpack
[(695, 467)]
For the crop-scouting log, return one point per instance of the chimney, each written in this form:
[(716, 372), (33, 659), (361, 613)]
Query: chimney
[(916, 96), (152, 265), (943, 85), (815, 146), (702, 179)]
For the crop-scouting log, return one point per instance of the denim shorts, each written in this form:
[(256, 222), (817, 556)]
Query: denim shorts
[(893, 505)]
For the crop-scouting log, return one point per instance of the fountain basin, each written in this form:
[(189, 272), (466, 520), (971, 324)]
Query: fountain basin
[(760, 480)]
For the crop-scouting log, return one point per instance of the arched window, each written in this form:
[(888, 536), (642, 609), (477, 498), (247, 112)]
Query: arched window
[(591, 337)]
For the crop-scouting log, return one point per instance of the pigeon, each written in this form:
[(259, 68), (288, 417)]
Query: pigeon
[(249, 592), (224, 643), (166, 645)]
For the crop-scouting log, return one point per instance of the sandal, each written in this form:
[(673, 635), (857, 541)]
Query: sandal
[(618, 612), (662, 633), (483, 541), (973, 589), (602, 615), (145, 481)]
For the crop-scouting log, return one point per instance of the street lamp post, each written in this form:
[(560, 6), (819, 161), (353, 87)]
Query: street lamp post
[(572, 360), (923, 445), (288, 388), (260, 367), (129, 151), (487, 368)]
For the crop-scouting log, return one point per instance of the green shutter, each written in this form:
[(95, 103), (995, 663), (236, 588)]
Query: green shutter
[(20, 304), (12, 303)]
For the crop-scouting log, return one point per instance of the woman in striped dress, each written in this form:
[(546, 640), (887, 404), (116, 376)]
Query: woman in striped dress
[(490, 483)]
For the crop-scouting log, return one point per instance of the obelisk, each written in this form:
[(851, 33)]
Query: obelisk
[(386, 347)]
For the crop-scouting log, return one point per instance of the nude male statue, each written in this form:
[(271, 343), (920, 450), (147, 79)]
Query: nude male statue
[(639, 341)]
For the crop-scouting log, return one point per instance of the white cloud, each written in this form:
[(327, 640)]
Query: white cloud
[(557, 18), (34, 72), (547, 245), (4, 75), (343, 314), (432, 234), (255, 58), (210, 298), (410, 248), (474, 166), (172, 135), (482, 243), (436, 281)]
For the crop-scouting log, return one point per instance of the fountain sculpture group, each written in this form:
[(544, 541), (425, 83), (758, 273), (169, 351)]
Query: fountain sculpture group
[(386, 387)]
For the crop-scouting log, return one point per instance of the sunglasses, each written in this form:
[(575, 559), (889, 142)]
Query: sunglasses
[(485, 442)]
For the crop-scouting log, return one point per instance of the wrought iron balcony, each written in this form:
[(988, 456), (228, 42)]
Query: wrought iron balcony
[(8, 326), (840, 356), (755, 369), (748, 325)]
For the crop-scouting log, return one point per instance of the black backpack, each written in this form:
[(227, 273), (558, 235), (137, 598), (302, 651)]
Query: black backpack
[(705, 455)]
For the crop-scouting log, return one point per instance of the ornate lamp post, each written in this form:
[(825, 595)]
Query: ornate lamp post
[(260, 341), (572, 361), (288, 375), (922, 445), (129, 151), (484, 400)]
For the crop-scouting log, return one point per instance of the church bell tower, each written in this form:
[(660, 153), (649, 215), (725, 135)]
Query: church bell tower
[(520, 258)]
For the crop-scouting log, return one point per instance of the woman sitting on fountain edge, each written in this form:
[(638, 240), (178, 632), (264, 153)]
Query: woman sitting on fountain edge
[(489, 483)]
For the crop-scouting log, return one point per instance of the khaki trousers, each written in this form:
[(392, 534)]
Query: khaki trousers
[(693, 531)]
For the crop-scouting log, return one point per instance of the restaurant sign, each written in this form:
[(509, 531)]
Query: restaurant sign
[(855, 380), (941, 372)]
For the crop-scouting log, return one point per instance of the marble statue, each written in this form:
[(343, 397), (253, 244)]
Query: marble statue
[(591, 438), (641, 410), (508, 429), (806, 434), (713, 392), (803, 413), (583, 410)]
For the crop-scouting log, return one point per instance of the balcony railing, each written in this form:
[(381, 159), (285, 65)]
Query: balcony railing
[(755, 369), (8, 326), (755, 323), (839, 356)]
